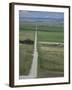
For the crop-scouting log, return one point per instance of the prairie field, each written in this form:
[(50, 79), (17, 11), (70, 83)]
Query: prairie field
[(50, 56), (25, 52)]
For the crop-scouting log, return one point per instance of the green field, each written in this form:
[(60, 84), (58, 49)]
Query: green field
[(50, 57), (42, 27), (24, 34), (25, 52), (50, 36), (50, 61), (25, 55)]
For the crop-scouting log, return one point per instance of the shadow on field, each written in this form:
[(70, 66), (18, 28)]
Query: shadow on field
[(27, 41)]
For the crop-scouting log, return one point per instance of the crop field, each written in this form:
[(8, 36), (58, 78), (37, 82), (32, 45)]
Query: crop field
[(50, 61), (50, 57), (25, 52), (50, 36)]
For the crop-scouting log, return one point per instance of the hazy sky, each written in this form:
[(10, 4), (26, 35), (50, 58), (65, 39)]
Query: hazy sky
[(40, 14)]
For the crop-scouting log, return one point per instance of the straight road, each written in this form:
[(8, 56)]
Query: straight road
[(33, 70)]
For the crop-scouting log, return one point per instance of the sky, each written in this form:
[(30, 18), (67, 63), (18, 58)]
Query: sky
[(40, 14)]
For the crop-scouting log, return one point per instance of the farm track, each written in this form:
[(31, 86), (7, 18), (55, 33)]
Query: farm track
[(33, 70), (52, 43)]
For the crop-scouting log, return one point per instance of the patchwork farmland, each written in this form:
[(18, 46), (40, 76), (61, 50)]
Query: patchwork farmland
[(50, 48)]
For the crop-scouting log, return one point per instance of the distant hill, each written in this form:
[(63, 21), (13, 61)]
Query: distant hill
[(51, 20)]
